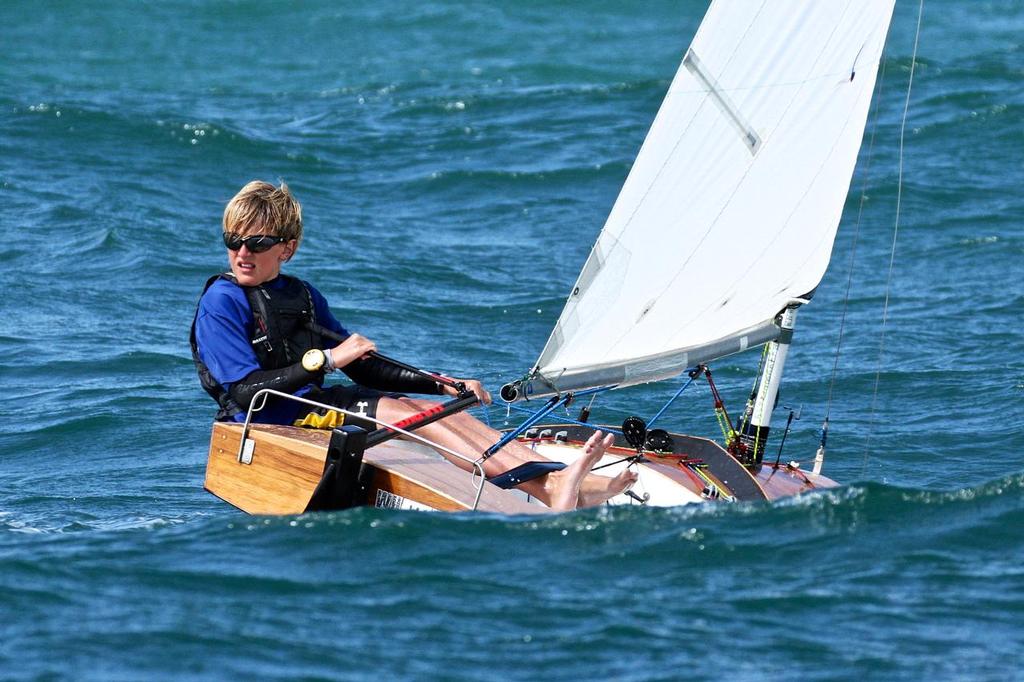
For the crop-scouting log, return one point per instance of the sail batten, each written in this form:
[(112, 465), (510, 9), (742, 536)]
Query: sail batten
[(721, 98), (731, 208)]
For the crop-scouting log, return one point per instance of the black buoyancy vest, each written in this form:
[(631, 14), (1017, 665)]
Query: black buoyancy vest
[(280, 335)]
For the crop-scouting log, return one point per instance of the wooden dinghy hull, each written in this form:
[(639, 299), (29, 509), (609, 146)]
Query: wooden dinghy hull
[(289, 470)]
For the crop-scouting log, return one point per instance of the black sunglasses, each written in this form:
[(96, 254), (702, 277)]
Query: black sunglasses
[(257, 243)]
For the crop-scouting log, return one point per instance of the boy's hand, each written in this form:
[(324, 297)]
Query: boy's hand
[(471, 385), (351, 349)]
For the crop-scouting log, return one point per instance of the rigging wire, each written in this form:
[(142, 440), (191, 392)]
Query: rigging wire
[(568, 420), (895, 234), (856, 239), (879, 86)]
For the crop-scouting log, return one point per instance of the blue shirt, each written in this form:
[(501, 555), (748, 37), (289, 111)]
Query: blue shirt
[(224, 330)]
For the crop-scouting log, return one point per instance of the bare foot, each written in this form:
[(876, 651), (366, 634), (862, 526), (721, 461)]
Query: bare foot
[(596, 489), (570, 492), (567, 482)]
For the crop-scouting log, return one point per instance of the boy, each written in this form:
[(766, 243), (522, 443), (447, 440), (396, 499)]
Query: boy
[(250, 332)]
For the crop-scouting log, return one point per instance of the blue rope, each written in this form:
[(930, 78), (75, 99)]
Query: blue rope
[(511, 435), (550, 407), (653, 419)]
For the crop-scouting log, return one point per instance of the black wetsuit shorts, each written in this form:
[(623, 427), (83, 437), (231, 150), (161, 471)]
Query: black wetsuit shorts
[(352, 398)]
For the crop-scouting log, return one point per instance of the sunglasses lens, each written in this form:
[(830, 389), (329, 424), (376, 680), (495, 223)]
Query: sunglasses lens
[(256, 244), (260, 244)]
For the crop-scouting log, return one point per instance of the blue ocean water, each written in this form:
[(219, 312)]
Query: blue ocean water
[(455, 162)]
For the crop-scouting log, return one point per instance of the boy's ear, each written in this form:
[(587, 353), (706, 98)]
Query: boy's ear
[(289, 250)]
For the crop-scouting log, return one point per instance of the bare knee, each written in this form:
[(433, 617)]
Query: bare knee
[(394, 409)]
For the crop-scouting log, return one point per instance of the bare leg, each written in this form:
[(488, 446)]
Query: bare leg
[(561, 490)]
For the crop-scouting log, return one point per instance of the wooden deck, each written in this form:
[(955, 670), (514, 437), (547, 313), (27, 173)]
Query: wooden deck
[(288, 463)]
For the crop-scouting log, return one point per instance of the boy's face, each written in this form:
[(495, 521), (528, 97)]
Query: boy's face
[(252, 268)]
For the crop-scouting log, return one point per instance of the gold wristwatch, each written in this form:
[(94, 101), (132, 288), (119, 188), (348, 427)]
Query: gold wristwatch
[(313, 360)]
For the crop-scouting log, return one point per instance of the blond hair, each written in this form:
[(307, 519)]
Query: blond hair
[(261, 207)]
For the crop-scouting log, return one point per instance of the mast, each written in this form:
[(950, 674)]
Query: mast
[(758, 416)]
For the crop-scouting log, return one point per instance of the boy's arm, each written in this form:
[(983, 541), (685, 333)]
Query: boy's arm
[(384, 376), (287, 380)]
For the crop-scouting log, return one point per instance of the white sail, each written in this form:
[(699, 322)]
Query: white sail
[(731, 208)]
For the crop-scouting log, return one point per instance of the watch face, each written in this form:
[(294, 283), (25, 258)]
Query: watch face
[(313, 360)]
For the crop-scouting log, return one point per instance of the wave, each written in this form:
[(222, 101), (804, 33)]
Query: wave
[(848, 509), (867, 556)]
